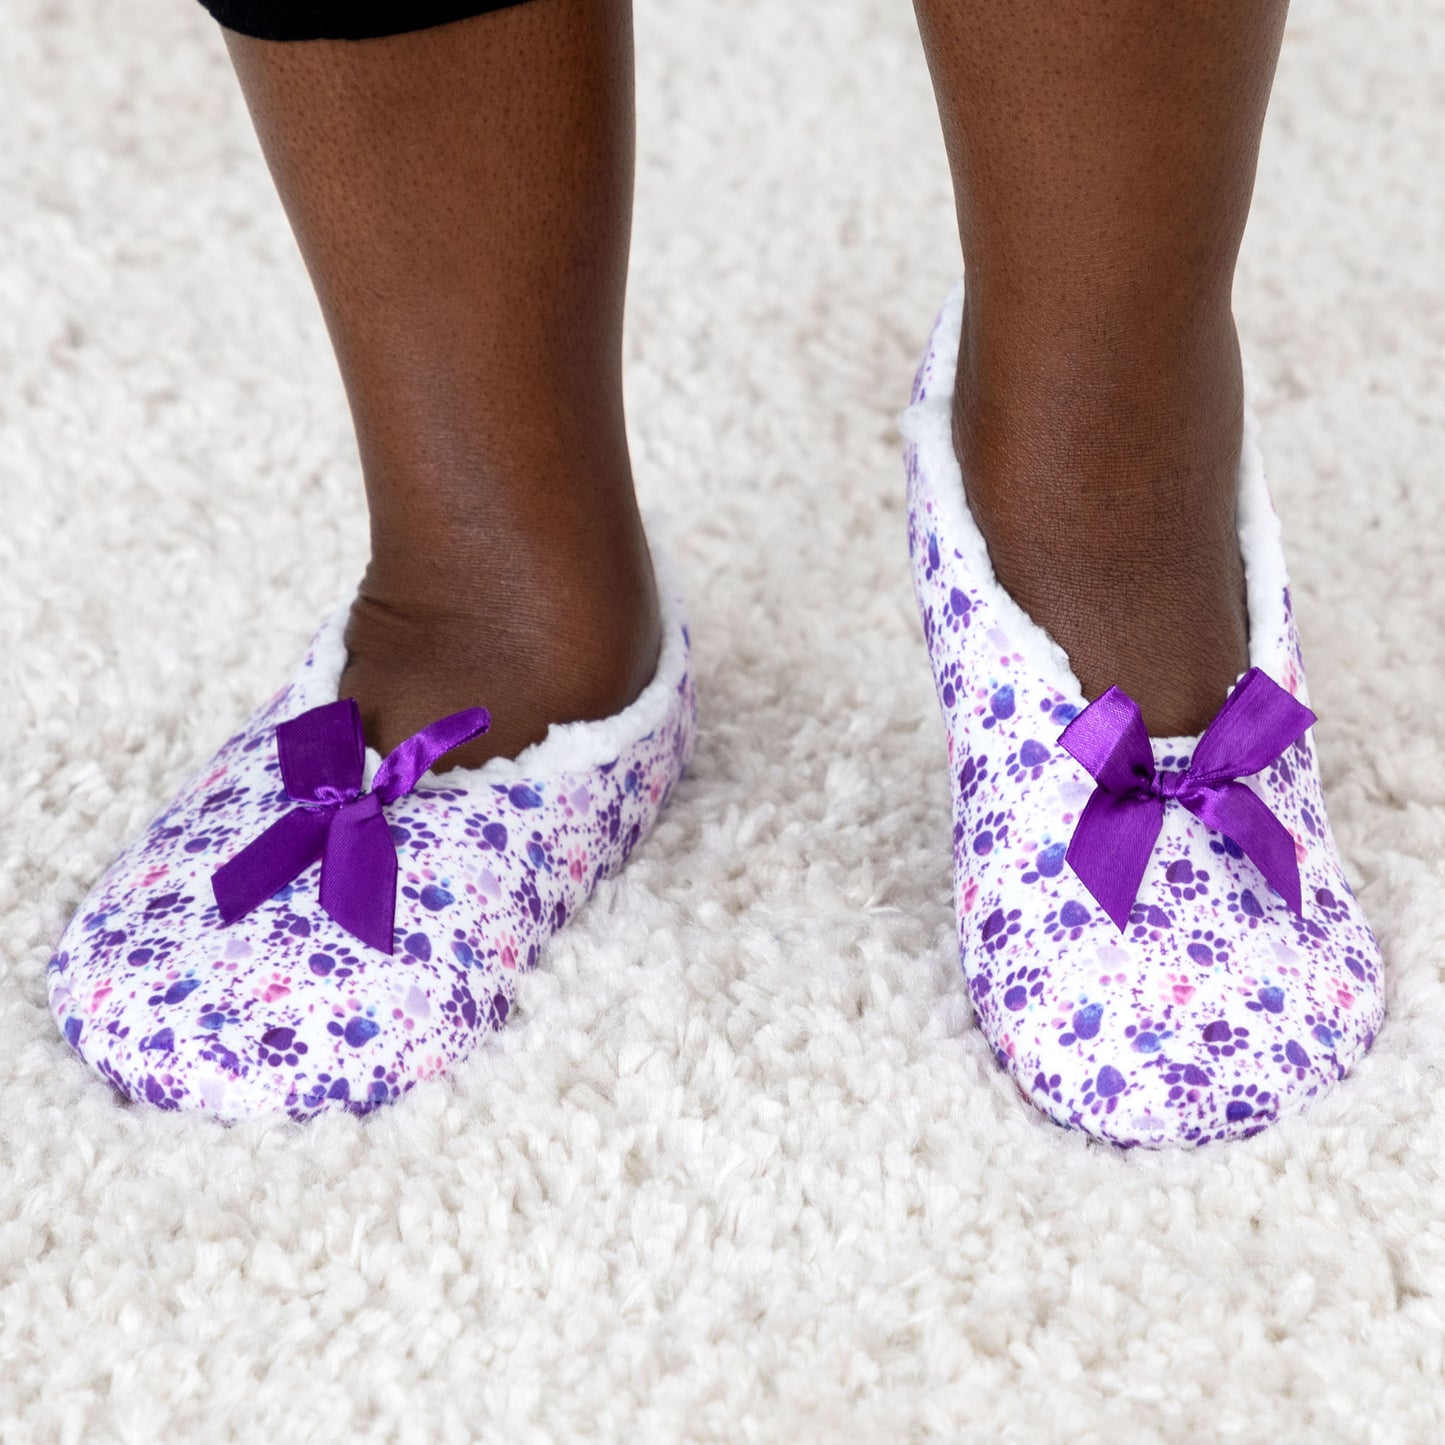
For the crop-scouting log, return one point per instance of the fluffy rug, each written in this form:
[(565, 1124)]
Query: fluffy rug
[(741, 1170)]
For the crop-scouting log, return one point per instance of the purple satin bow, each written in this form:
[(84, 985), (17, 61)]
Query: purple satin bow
[(323, 762), (1115, 835)]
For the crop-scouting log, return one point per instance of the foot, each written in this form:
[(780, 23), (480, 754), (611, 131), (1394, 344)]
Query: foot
[(265, 950), (1104, 479), (1187, 1000), (553, 633)]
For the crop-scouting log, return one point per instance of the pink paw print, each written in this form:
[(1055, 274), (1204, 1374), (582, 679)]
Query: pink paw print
[(577, 863), (1177, 989), (268, 990), (969, 896)]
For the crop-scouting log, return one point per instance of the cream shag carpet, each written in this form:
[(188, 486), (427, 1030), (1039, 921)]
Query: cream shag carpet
[(741, 1170)]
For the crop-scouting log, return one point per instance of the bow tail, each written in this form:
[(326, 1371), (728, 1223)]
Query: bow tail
[(1111, 847), (358, 873), (404, 765), (1240, 813), (266, 865)]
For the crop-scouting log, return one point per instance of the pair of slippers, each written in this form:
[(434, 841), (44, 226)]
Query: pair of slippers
[(1157, 934)]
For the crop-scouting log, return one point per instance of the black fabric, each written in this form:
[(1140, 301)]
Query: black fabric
[(342, 19)]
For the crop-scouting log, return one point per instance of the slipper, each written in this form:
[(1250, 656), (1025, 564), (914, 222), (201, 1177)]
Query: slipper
[(1159, 940), (310, 927)]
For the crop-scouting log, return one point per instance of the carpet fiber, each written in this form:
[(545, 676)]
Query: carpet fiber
[(741, 1170)]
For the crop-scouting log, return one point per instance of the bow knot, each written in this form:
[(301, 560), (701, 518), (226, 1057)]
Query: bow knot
[(1167, 783), (323, 764), (1115, 835)]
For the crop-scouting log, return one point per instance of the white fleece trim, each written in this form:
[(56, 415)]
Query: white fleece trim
[(568, 748), (928, 424)]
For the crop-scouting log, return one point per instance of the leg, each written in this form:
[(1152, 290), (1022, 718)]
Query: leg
[(1103, 156), (462, 198)]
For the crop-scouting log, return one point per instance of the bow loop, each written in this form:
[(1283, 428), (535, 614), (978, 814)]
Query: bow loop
[(1258, 721), (322, 753), (1109, 738), (1114, 838), (323, 765)]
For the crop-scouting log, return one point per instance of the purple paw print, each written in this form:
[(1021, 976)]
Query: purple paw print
[(1048, 862), (950, 684), (1104, 1090), (1311, 821), (1070, 921), (1359, 966), (971, 774), (1185, 881), (1147, 1037), (1224, 1041), (1000, 706), (930, 570), (1249, 1101), (281, 1046), (1186, 1081), (1290, 1056), (992, 833), (956, 614), (1029, 761), (1085, 1024), (357, 1031), (1020, 986), (999, 928), (1270, 999), (1148, 919), (1246, 907)]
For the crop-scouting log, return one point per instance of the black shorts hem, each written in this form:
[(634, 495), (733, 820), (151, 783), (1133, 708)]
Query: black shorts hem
[(343, 19)]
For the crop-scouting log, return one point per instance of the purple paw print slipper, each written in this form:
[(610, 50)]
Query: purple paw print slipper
[(1159, 940), (311, 927)]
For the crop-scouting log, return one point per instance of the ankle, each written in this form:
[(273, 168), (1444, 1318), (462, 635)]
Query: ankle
[(1114, 399), (1104, 481), (538, 635)]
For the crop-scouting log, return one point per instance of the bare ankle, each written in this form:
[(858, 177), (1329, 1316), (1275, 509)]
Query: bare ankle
[(560, 641), (1109, 506)]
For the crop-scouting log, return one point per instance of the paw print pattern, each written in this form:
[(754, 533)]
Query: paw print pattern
[(949, 683), (1047, 863), (999, 928), (1067, 922), (1186, 882), (1084, 1024), (932, 560), (1207, 949), (1001, 705), (972, 775), (1147, 1036), (1149, 920), (1028, 761), (1245, 905), (285, 1012), (1216, 1009), (955, 616), (992, 833), (1021, 987)]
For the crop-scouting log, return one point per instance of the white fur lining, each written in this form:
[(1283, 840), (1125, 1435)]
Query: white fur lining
[(576, 747), (928, 424)]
